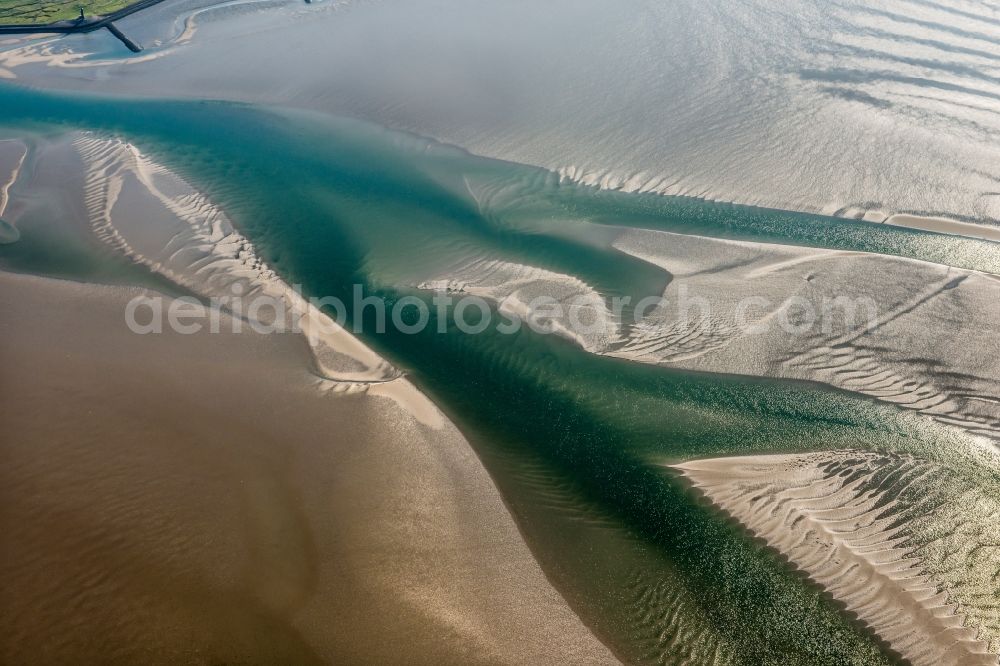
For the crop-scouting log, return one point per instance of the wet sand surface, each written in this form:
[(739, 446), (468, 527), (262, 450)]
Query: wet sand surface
[(193, 499)]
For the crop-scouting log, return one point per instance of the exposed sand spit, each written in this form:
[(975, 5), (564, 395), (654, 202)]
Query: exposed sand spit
[(12, 154), (192, 499), (907, 544), (944, 225), (158, 220), (528, 292)]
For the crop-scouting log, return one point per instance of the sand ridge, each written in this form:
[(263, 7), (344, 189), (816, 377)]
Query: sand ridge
[(862, 306), (12, 156), (195, 245), (889, 535), (581, 316)]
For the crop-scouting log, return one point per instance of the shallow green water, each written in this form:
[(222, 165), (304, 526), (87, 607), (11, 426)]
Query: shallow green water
[(576, 442)]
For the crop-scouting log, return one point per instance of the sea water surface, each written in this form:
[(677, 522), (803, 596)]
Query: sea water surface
[(842, 106), (579, 443)]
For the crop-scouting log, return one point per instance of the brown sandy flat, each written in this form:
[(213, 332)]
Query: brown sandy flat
[(195, 499)]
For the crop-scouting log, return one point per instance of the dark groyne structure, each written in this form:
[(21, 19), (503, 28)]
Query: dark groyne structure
[(132, 46), (84, 24)]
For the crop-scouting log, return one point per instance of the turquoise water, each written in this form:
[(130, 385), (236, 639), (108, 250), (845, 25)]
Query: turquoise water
[(577, 443)]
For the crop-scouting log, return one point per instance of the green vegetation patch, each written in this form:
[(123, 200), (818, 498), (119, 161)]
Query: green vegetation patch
[(26, 12)]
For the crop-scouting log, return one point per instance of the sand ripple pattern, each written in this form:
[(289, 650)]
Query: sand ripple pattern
[(909, 545), (912, 333), (773, 109), (916, 334), (155, 218), (585, 316), (671, 626)]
